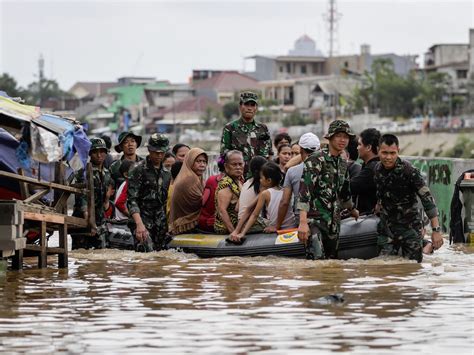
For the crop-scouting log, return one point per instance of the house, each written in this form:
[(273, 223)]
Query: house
[(222, 87), (164, 95), (452, 59), (130, 106), (310, 93), (306, 60), (96, 114), (190, 112), (136, 80), (88, 91)]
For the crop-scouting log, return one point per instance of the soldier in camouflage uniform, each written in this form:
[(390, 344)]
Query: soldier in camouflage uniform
[(245, 134), (324, 190), (398, 185), (128, 144), (103, 191), (148, 186)]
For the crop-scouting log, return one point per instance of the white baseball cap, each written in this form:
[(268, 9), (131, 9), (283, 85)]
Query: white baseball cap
[(309, 141)]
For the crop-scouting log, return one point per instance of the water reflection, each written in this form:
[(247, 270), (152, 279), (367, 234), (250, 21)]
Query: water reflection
[(120, 301)]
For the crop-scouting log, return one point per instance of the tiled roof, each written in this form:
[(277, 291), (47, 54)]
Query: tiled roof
[(228, 81), (192, 104), (94, 88)]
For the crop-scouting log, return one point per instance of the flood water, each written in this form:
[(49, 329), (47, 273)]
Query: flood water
[(113, 301)]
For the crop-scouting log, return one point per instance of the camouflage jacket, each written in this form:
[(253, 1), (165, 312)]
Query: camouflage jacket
[(102, 180), (251, 139), (324, 190), (148, 192), (397, 191), (115, 170)]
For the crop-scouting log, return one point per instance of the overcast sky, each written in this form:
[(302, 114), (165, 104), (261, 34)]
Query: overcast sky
[(103, 40)]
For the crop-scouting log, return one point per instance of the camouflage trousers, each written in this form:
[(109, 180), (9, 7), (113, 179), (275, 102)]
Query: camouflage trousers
[(321, 245), (156, 240), (408, 241), (97, 241)]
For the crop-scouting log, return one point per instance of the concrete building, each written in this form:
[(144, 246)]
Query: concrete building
[(88, 91), (309, 93), (471, 53), (164, 95), (185, 113), (305, 60), (452, 59), (223, 87)]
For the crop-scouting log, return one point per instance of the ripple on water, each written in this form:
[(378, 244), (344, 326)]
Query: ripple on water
[(120, 301)]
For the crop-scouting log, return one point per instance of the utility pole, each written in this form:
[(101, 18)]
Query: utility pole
[(40, 79)]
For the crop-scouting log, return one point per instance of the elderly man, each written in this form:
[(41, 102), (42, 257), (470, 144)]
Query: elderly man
[(128, 144), (324, 189), (245, 134), (148, 185)]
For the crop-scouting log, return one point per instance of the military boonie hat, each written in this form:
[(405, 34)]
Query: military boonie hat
[(339, 126), (248, 96), (158, 143), (122, 137), (97, 143)]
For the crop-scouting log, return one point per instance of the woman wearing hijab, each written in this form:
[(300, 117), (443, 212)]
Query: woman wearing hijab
[(186, 200)]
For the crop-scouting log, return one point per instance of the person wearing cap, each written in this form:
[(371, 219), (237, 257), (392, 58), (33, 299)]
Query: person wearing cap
[(128, 144), (103, 191), (148, 185), (308, 143), (246, 134), (399, 186), (324, 191)]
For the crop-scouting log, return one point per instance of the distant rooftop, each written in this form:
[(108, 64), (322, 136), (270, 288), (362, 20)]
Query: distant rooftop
[(228, 80)]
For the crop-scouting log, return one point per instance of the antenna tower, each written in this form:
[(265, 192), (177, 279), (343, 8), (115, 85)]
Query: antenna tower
[(332, 18)]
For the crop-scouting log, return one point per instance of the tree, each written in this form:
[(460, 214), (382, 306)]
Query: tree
[(49, 90), (295, 119), (230, 109), (10, 86)]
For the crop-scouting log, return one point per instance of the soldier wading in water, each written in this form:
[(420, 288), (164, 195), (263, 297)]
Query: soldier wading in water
[(398, 185), (147, 195), (324, 190)]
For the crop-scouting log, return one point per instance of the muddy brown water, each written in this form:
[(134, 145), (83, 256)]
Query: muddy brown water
[(111, 301)]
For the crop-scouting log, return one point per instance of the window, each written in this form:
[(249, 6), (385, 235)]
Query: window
[(346, 64), (163, 94), (281, 68), (288, 67), (461, 74), (303, 69)]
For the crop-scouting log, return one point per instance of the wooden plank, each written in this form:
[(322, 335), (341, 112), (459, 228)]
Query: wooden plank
[(43, 256), (63, 257), (50, 185), (49, 250), (58, 179), (43, 217), (76, 221), (90, 196), (17, 260), (36, 196), (24, 191), (60, 205)]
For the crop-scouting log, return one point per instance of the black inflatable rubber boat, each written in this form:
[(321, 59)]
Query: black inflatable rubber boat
[(358, 239)]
